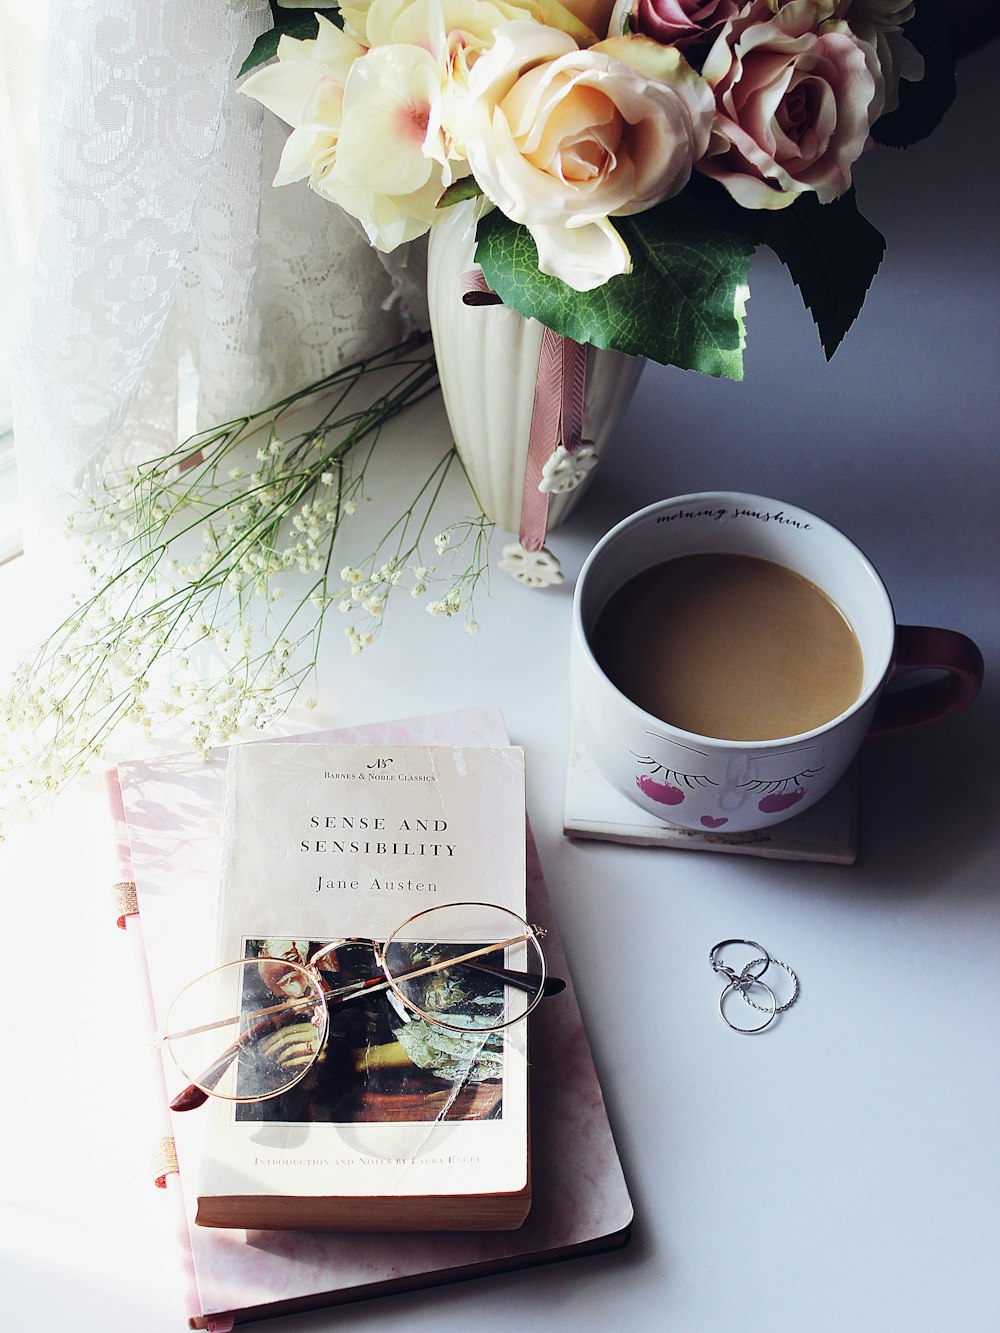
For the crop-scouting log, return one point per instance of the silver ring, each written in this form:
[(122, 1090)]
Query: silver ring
[(742, 988), (725, 970), (781, 1007)]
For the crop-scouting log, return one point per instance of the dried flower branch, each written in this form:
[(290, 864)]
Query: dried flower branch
[(211, 571)]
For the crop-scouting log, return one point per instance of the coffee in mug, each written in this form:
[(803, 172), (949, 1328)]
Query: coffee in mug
[(730, 646), (730, 653)]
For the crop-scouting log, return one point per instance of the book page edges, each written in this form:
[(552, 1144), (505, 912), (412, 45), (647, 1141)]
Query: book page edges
[(283, 1212)]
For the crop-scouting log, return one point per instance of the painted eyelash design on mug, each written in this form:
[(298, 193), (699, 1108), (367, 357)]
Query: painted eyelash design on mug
[(779, 784), (669, 791), (780, 793)]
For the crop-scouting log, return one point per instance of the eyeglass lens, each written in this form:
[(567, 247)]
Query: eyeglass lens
[(248, 1030), (466, 966)]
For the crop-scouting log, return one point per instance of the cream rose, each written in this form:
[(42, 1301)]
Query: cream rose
[(796, 96), (561, 139)]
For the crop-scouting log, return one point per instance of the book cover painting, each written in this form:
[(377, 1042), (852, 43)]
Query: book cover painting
[(327, 848), (378, 1061)]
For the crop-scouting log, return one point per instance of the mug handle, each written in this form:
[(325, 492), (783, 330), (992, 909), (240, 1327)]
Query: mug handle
[(922, 648)]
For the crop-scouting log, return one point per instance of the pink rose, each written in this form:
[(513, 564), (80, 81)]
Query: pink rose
[(796, 95), (682, 23)]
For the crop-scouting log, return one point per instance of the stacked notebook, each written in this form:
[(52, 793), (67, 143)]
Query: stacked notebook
[(168, 835)]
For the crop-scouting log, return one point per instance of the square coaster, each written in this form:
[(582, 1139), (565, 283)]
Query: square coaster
[(826, 831)]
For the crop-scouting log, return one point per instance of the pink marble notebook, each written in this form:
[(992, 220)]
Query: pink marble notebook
[(166, 826)]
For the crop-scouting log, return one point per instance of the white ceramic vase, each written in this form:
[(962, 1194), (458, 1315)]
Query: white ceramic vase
[(487, 358)]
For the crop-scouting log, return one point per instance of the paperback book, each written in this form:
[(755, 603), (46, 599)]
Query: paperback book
[(401, 1121)]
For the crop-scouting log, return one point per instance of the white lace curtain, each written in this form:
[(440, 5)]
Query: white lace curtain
[(162, 238)]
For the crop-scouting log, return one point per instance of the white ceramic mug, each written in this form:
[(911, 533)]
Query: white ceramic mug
[(700, 782)]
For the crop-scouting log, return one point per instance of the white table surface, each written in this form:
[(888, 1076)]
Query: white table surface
[(841, 1172)]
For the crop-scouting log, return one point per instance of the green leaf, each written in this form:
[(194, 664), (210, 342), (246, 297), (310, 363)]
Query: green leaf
[(922, 105), (682, 304), (832, 254), (467, 188)]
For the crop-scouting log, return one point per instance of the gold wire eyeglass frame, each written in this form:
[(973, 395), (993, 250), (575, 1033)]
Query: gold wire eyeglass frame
[(317, 996)]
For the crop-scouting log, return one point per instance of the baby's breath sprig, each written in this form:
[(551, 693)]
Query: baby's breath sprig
[(212, 568), (365, 588)]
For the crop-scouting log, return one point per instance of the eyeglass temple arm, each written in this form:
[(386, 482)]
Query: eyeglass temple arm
[(526, 981), (191, 1097)]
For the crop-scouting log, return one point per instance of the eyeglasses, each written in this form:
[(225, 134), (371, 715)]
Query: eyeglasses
[(252, 1029)]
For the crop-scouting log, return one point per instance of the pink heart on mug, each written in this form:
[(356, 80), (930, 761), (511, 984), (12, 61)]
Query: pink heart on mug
[(781, 800), (662, 792), (710, 821)]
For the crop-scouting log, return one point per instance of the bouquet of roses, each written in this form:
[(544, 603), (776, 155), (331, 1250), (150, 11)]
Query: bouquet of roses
[(620, 162), (627, 156)]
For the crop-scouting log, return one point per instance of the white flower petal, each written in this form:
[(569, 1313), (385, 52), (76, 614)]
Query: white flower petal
[(388, 221), (306, 153), (282, 88), (391, 121), (583, 257)]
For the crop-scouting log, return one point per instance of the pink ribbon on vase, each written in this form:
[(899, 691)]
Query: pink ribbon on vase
[(556, 414)]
